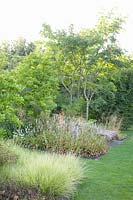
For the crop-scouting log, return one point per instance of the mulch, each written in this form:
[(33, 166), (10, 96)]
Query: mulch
[(13, 192)]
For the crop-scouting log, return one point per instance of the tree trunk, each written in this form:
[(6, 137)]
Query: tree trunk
[(87, 109), (78, 90), (70, 91), (71, 99)]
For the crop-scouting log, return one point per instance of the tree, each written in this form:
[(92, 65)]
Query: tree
[(120, 101), (10, 101), (124, 96), (86, 59), (37, 77), (11, 53)]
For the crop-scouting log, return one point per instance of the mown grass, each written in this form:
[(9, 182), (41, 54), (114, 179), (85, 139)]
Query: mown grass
[(110, 177)]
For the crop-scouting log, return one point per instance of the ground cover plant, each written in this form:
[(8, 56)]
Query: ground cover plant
[(50, 175), (110, 177)]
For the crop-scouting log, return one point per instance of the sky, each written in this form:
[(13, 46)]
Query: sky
[(24, 18)]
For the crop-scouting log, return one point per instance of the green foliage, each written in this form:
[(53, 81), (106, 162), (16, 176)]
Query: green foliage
[(76, 109), (84, 73), (7, 155), (52, 175), (87, 62), (10, 100), (124, 96), (22, 48), (11, 53), (118, 101), (3, 61), (38, 79)]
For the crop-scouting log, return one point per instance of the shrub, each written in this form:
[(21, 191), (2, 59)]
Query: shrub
[(51, 174)]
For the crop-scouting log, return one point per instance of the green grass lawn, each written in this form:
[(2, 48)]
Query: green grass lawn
[(111, 177)]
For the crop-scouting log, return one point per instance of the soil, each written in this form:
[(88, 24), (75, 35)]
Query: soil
[(12, 192)]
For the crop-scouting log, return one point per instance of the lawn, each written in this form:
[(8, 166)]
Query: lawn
[(110, 177)]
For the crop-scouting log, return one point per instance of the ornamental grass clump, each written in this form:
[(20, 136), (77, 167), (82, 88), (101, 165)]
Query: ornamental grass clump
[(52, 175), (7, 155)]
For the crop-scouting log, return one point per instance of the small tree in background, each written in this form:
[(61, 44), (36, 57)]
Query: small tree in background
[(10, 100), (37, 76)]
